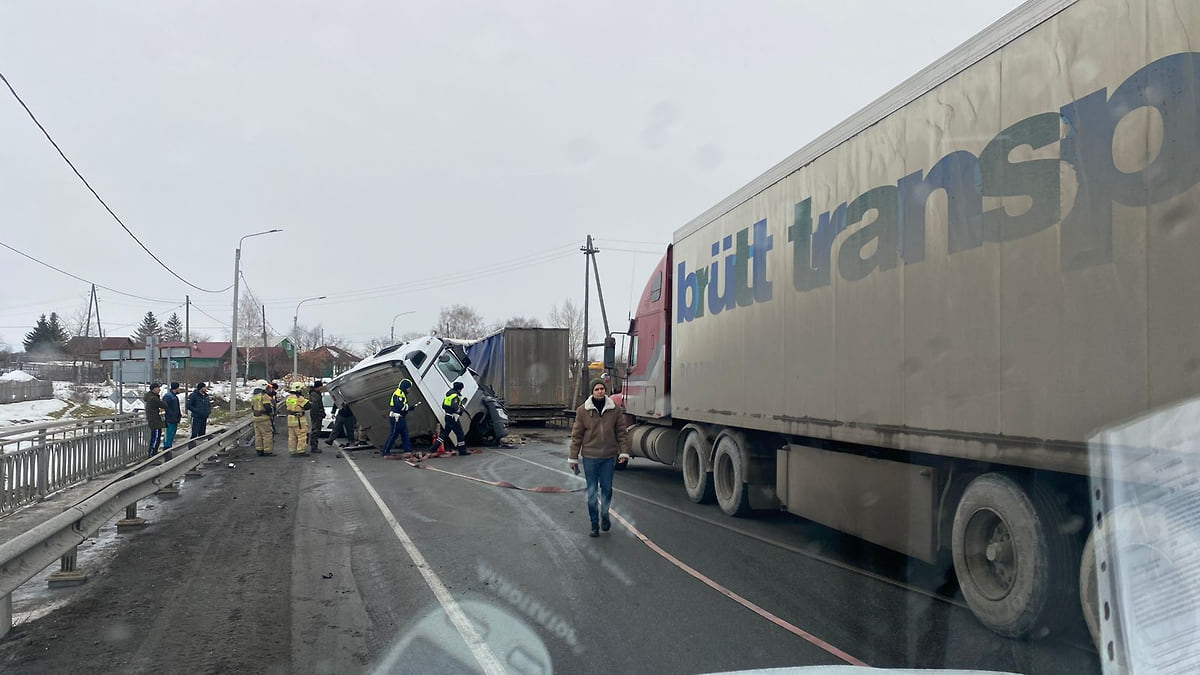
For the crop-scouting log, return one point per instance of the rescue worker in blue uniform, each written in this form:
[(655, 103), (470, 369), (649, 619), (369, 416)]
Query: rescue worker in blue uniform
[(399, 410), (453, 406)]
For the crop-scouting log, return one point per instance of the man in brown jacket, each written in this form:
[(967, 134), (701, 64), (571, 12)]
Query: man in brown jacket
[(599, 436)]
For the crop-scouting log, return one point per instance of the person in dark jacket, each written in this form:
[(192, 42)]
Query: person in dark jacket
[(172, 416), (199, 404), (454, 405), (600, 437), (343, 426), (316, 416), (154, 408), (397, 412)]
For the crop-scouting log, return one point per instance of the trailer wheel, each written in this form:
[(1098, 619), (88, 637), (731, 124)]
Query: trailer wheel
[(729, 474), (696, 478), (1015, 565)]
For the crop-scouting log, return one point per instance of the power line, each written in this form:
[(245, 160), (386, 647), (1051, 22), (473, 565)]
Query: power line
[(219, 322), (97, 194), (79, 278)]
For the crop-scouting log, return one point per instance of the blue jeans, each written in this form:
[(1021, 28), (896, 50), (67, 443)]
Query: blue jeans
[(399, 429), (170, 440), (599, 474)]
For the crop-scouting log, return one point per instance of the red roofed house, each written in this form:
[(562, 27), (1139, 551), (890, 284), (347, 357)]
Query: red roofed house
[(209, 360)]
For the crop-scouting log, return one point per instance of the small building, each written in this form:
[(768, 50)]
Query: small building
[(326, 361), (209, 360)]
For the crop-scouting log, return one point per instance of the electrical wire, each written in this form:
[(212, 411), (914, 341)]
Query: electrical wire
[(538, 257), (219, 322), (97, 194), (79, 278)]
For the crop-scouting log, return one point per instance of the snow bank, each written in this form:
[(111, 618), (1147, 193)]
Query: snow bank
[(17, 376), (29, 412)]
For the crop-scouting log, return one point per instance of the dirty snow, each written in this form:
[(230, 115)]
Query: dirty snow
[(17, 376), (29, 412)]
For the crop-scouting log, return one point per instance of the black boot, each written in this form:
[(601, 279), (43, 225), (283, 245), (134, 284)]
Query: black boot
[(605, 524), (595, 531)]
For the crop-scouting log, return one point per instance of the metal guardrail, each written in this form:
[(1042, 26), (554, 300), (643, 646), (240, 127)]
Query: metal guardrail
[(27, 554), (40, 459)]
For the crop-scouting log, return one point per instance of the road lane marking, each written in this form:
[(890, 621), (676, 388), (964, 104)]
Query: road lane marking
[(782, 623), (707, 581), (479, 649), (793, 549), (772, 542)]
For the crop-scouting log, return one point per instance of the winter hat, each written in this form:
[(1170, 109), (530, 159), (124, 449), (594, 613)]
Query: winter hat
[(596, 381), (174, 386), (405, 385)]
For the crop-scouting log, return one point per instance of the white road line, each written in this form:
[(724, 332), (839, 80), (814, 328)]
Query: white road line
[(479, 649), (767, 540)]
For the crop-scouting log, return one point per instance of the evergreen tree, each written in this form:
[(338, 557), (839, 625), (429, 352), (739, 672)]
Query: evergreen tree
[(47, 335), (173, 329), (149, 327)]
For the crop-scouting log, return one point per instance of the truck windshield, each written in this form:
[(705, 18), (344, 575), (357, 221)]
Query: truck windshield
[(451, 367)]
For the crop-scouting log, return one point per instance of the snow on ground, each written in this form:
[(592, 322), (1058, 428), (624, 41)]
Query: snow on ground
[(28, 412), (17, 376), (69, 395)]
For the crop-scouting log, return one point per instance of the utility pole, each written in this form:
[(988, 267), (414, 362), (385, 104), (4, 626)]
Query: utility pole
[(237, 272), (99, 328), (590, 269), (237, 267), (266, 358), (187, 331)]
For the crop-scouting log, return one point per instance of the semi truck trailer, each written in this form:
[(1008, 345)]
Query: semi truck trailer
[(909, 329)]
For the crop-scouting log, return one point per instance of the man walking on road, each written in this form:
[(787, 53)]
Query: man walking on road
[(172, 416), (343, 426), (154, 408), (297, 421), (399, 410), (599, 436), (263, 410), (199, 404), (453, 406), (316, 416)]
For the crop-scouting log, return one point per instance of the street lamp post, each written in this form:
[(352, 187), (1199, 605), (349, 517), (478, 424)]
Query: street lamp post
[(237, 272), (394, 323), (296, 335)]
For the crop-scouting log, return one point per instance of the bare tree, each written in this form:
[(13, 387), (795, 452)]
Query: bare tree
[(523, 322), (249, 318), (372, 346), (569, 315), (460, 321), (77, 322)]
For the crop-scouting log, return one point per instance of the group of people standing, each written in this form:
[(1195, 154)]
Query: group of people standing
[(305, 413), (453, 405), (163, 414)]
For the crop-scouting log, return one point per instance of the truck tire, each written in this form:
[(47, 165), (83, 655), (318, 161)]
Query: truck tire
[(729, 474), (1015, 566), (697, 479)]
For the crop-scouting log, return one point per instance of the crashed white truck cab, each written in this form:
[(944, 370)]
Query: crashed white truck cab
[(433, 365)]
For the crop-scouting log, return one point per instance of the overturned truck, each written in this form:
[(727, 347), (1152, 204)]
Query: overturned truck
[(433, 365)]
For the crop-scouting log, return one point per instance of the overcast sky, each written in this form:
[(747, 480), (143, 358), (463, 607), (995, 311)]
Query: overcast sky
[(401, 143)]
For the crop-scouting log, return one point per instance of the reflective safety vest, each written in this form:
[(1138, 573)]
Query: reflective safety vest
[(295, 406), (399, 401), (452, 403), (259, 404)]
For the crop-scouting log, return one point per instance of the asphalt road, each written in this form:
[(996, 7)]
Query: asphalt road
[(359, 564)]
